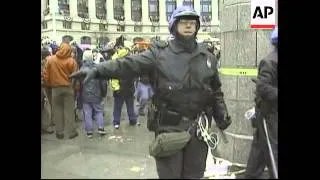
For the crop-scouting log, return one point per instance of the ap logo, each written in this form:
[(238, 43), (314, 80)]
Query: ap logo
[(263, 14)]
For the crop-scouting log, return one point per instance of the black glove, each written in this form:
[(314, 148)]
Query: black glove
[(254, 121), (254, 80), (85, 72), (224, 124)]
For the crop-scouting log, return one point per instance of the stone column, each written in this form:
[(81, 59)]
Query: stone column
[(54, 11), (240, 47), (43, 5), (162, 13), (127, 11), (127, 14), (54, 8), (215, 12), (73, 5), (179, 3), (110, 17), (145, 14), (197, 7), (92, 9)]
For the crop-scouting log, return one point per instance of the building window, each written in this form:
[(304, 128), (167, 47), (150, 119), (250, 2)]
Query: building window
[(83, 9), (137, 27), (85, 26), (154, 10), (136, 10), (205, 7), (171, 5), (103, 27), (101, 10), (44, 24), (154, 15), (188, 3), (67, 38), (85, 40), (206, 14), (155, 28), (47, 8), (67, 24), (46, 11), (103, 41), (121, 28), (118, 6), (219, 10), (64, 7)]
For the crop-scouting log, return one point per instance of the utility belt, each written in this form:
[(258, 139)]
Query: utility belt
[(172, 132), (159, 119), (173, 139), (172, 118)]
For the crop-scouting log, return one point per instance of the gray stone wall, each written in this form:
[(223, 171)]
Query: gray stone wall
[(241, 47)]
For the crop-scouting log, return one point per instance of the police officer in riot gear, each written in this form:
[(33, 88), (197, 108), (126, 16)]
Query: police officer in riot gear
[(186, 82), (266, 110)]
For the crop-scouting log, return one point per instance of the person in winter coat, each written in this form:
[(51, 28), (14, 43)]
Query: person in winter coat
[(56, 74), (266, 109), (92, 94), (123, 92), (46, 100)]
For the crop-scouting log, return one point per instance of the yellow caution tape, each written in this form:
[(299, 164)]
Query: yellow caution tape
[(136, 169), (238, 71)]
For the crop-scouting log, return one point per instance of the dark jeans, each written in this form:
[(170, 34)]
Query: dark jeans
[(117, 107), (90, 110)]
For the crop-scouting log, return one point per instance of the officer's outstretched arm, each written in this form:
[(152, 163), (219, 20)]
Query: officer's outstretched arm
[(264, 86), (130, 66), (219, 107), (220, 111)]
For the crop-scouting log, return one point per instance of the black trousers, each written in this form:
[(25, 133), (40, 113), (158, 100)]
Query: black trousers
[(259, 156), (188, 163)]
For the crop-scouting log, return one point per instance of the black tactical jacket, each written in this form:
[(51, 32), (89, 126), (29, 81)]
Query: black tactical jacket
[(185, 82)]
